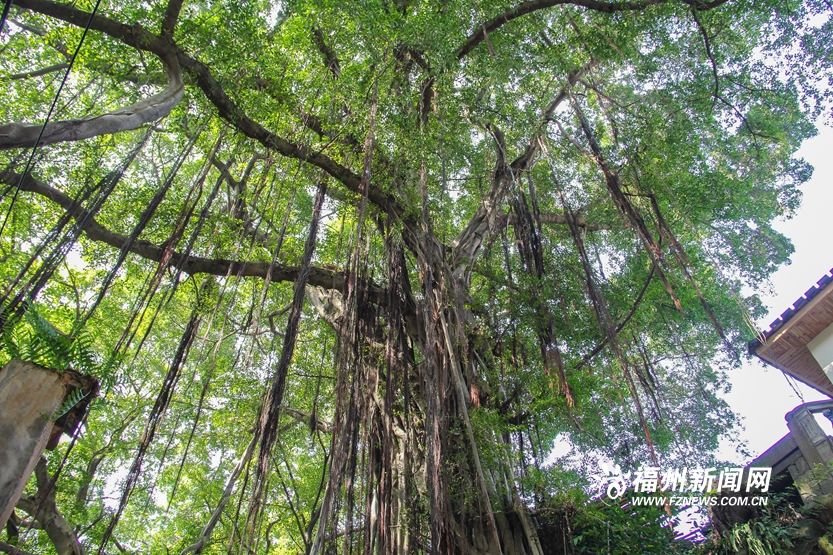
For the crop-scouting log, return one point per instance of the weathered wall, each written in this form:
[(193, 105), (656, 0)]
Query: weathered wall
[(29, 394)]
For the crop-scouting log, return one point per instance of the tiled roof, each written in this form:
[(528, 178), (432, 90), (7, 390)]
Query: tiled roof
[(789, 335), (801, 301)]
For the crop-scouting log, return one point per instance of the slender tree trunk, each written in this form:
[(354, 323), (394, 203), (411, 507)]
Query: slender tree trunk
[(44, 510)]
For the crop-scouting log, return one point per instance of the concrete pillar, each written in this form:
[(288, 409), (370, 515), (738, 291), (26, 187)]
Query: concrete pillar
[(29, 396), (816, 449)]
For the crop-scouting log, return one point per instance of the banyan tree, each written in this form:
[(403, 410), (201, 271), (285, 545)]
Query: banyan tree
[(347, 271)]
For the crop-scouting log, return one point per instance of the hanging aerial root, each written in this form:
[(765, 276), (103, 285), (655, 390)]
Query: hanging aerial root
[(648, 381), (606, 321), (396, 376), (185, 214), (158, 411), (641, 413), (528, 236), (462, 400), (351, 380), (231, 481), (685, 265), (144, 219), (272, 403), (204, 213), (75, 209), (596, 298), (624, 206), (603, 343)]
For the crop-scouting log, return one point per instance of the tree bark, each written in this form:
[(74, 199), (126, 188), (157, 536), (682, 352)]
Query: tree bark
[(45, 511), (322, 277), (24, 135)]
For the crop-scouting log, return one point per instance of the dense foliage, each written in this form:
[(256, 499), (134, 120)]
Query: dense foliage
[(347, 271)]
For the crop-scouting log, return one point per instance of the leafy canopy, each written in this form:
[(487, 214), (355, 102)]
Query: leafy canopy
[(541, 223)]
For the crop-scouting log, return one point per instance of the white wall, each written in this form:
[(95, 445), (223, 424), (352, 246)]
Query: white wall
[(822, 348)]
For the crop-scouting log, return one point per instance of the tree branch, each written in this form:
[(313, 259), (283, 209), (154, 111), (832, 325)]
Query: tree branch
[(171, 16), (38, 72), (598, 348), (328, 279), (13, 550), (131, 35), (522, 162), (320, 425), (330, 57), (46, 513), (556, 219), (484, 221), (232, 113), (237, 202), (58, 45), (707, 43), (24, 135), (205, 535), (142, 39), (525, 8)]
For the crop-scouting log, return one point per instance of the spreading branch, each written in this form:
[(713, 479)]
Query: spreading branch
[(598, 348), (485, 219), (38, 72), (171, 16), (624, 206), (232, 113), (310, 419), (13, 549), (328, 279), (330, 57), (140, 38), (482, 32), (709, 54), (525, 8), (554, 219), (44, 510), (24, 135)]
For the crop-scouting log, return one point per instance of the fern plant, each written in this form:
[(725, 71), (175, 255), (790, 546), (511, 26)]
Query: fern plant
[(761, 537), (75, 397), (33, 338), (771, 533)]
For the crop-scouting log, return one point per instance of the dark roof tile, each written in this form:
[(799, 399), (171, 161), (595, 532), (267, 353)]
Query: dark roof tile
[(801, 301)]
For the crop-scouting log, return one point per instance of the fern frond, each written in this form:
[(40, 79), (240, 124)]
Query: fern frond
[(69, 403)]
